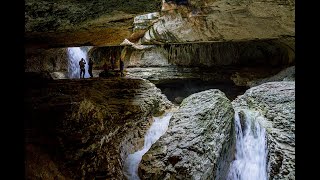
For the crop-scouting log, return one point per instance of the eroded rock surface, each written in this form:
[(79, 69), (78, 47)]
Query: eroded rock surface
[(221, 20), (81, 23), (64, 23), (85, 128), (276, 102), (287, 74), (199, 132)]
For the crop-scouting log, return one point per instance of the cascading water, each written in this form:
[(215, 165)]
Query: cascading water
[(251, 150), (157, 129), (75, 54)]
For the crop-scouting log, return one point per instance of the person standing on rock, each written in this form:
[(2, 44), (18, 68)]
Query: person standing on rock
[(82, 69), (90, 67)]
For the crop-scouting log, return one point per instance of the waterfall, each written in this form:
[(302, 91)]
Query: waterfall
[(251, 150), (75, 54), (157, 129)]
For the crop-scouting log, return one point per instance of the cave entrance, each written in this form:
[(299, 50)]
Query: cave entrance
[(178, 89)]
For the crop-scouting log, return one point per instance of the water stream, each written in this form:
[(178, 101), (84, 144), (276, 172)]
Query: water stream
[(157, 129), (251, 149)]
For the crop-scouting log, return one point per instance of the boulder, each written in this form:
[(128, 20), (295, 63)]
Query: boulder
[(198, 134), (275, 101)]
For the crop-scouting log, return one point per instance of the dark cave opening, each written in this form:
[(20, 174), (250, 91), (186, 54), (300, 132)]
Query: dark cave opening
[(179, 2), (178, 89)]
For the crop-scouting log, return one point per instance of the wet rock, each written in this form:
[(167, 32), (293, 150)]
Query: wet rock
[(276, 102), (197, 135)]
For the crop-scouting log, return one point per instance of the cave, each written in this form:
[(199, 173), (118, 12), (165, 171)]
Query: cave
[(177, 90), (202, 83)]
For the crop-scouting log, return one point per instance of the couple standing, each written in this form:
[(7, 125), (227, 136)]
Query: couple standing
[(82, 63)]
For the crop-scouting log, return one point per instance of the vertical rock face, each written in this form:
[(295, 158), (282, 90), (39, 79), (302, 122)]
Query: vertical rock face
[(151, 57), (84, 129), (268, 52), (276, 102), (198, 133)]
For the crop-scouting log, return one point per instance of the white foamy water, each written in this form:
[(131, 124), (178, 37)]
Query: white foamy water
[(75, 54), (251, 150), (157, 129)]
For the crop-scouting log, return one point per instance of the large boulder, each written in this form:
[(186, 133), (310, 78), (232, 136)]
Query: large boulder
[(199, 133), (84, 129), (275, 101)]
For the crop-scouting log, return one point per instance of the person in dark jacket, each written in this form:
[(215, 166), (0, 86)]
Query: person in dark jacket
[(82, 68), (90, 67), (121, 68)]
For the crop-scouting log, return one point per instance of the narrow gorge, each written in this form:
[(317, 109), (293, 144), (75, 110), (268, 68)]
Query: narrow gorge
[(181, 89)]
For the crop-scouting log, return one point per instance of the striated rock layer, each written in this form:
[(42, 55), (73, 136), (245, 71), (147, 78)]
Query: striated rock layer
[(199, 132), (220, 20), (63, 23), (266, 52), (275, 101), (84, 129)]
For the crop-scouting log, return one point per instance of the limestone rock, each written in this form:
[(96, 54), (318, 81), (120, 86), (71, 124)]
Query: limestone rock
[(198, 133), (49, 60), (219, 74), (151, 57), (64, 23), (288, 74), (276, 102), (86, 128), (145, 20), (221, 20)]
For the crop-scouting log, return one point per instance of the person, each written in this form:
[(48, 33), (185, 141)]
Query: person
[(82, 69), (90, 67), (121, 67)]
